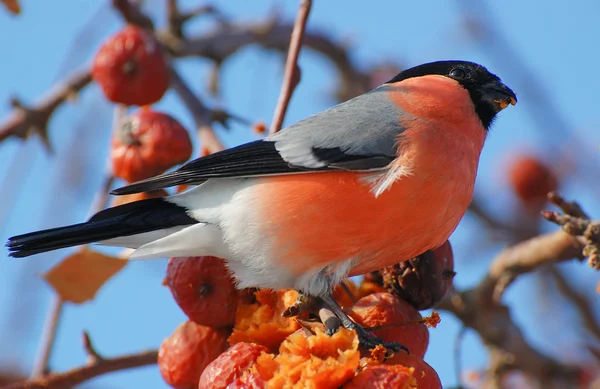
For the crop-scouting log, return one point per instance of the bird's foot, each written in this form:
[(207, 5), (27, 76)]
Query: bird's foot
[(366, 338), (369, 341)]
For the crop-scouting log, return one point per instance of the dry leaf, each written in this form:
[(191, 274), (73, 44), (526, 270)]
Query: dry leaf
[(79, 276), (12, 5)]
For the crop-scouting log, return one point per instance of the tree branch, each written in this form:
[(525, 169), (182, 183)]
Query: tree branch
[(579, 301), (202, 115), (54, 314), (480, 308), (291, 77), (24, 121), (81, 374), (226, 39)]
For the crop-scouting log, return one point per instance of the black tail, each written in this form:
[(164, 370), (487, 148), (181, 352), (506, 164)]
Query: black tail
[(124, 220)]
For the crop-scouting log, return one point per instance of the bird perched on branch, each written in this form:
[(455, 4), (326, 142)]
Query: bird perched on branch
[(373, 181)]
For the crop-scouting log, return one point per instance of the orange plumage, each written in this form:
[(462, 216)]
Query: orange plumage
[(417, 213)]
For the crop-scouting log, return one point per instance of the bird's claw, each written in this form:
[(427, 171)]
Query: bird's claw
[(369, 341)]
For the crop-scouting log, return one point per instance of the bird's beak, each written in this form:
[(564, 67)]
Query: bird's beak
[(499, 95)]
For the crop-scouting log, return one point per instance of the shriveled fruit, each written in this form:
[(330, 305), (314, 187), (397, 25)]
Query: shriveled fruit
[(203, 289), (130, 198), (248, 381), (384, 377), (186, 352), (531, 179), (261, 322), (230, 366), (401, 319), (426, 376), (131, 69), (422, 281), (311, 360), (147, 143)]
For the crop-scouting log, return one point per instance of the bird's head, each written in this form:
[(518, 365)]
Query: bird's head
[(488, 94)]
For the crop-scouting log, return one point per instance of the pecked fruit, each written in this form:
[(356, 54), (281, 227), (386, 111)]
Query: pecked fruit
[(203, 289)]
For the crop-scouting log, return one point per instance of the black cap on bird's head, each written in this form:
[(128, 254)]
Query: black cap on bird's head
[(488, 93)]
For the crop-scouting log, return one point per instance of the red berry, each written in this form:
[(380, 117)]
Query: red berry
[(426, 376), (422, 281), (531, 179), (183, 356), (384, 309), (148, 143), (131, 68), (231, 365), (203, 289)]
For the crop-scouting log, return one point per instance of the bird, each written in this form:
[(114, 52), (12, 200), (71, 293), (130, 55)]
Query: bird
[(373, 181)]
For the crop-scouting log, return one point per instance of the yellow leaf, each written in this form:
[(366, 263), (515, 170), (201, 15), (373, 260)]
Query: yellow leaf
[(79, 276), (13, 6)]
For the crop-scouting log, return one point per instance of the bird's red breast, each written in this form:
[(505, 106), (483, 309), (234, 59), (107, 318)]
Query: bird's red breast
[(324, 219)]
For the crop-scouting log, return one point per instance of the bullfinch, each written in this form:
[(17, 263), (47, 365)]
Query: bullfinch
[(373, 181)]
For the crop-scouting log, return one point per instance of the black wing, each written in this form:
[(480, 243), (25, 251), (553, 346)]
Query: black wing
[(258, 158)]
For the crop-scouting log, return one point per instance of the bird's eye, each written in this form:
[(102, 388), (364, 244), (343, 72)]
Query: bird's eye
[(458, 74)]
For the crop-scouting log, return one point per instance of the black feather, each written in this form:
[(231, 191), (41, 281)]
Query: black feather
[(124, 220), (258, 158)]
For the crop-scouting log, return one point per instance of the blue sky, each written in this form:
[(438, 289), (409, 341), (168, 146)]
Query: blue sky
[(133, 312)]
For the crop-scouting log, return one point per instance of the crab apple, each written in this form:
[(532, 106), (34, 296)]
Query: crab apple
[(203, 289), (383, 377), (426, 376), (147, 143), (230, 366), (187, 351), (422, 281), (531, 179), (248, 381), (131, 69), (402, 321)]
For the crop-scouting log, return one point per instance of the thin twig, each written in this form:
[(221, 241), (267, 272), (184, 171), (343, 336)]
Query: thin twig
[(291, 76), (48, 337), (90, 350)]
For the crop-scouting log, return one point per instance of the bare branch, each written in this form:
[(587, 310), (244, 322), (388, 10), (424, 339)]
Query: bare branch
[(525, 257), (178, 18), (508, 348), (81, 374), (532, 253), (48, 336), (292, 73), (24, 121), (227, 39), (54, 314), (578, 301), (480, 308), (202, 115), (130, 11)]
